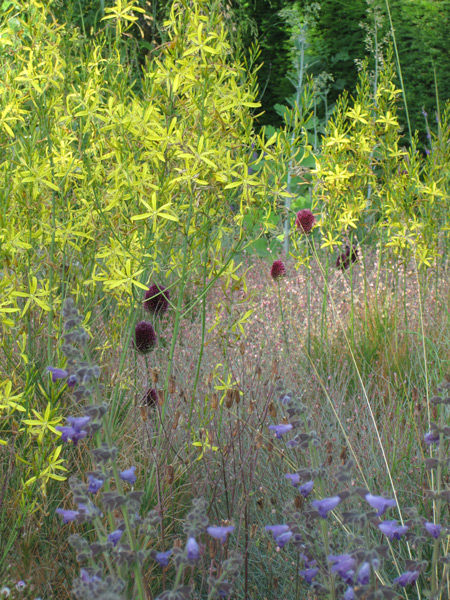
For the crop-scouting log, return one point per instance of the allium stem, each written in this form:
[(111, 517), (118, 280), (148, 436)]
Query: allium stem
[(282, 315)]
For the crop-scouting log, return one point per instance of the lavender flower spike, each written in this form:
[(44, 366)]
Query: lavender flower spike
[(128, 475), (280, 430), (324, 506), (220, 533), (379, 503)]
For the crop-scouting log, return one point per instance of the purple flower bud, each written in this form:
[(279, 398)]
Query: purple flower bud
[(305, 220), (280, 430), (94, 484), (156, 299), (192, 549), (431, 437), (294, 477), (344, 566), (128, 475), (220, 533), (379, 503), (67, 515), (162, 558), (306, 488), (278, 270), (69, 433), (115, 536), (364, 574), (144, 337), (324, 506), (57, 373), (309, 574), (349, 593), (78, 422), (283, 539), (392, 530), (277, 530), (407, 578), (433, 529)]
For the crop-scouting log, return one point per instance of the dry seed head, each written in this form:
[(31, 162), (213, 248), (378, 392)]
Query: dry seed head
[(170, 474), (214, 401), (155, 375), (251, 406), (172, 385), (272, 410), (237, 396), (229, 399), (144, 414), (176, 419), (161, 397)]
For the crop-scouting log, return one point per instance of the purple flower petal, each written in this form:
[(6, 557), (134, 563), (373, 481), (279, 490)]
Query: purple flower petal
[(94, 484), (294, 478), (392, 530), (220, 533), (379, 503), (306, 488), (67, 515), (192, 549), (115, 536), (364, 574), (309, 574), (324, 506), (280, 430), (277, 530), (128, 475), (57, 373), (433, 529), (283, 539), (162, 558), (407, 578), (78, 422)]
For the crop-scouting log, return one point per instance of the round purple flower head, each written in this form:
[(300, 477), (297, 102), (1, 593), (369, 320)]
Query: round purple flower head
[(278, 270), (145, 337), (150, 397), (156, 299), (305, 220)]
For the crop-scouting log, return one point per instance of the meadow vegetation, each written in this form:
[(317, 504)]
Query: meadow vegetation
[(225, 351)]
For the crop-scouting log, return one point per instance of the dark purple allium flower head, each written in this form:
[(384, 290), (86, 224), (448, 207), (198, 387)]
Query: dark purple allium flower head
[(67, 515), (115, 536), (157, 299), (57, 373), (305, 220), (392, 530), (192, 549), (128, 475), (364, 574), (145, 337), (294, 478), (407, 578), (309, 574), (379, 503), (433, 529), (162, 558), (220, 533), (324, 506), (280, 430), (346, 257), (306, 488), (432, 437), (94, 484), (278, 270), (150, 397), (344, 566)]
